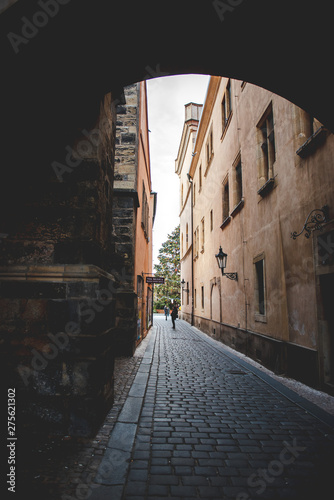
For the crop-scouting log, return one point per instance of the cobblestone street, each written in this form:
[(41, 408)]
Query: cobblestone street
[(60, 468), (191, 420)]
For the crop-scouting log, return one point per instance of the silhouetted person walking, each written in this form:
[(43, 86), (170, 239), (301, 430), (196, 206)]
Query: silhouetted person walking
[(174, 315), (166, 309)]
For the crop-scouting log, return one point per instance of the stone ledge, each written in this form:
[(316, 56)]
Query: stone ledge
[(61, 272)]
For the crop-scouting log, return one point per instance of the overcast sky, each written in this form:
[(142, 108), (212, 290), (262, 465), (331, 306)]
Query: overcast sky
[(166, 99)]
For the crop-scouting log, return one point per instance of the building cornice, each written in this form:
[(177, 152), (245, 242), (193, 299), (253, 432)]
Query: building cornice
[(205, 120), (188, 127)]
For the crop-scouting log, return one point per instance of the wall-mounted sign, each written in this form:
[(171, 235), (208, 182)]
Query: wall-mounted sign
[(155, 279)]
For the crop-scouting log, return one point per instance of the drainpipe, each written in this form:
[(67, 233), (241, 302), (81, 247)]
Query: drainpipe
[(192, 247)]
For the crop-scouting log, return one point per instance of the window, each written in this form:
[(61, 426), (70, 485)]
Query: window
[(314, 125), (310, 134), (267, 150), (187, 293), (202, 234), (238, 182), (226, 200), (182, 196), (196, 242), (260, 286), (211, 220), (207, 153), (260, 298), (145, 213), (209, 147), (202, 296), (200, 177), (195, 298), (194, 194), (238, 201), (226, 107)]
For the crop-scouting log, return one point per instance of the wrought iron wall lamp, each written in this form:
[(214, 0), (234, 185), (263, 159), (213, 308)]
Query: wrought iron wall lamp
[(221, 260), (182, 285)]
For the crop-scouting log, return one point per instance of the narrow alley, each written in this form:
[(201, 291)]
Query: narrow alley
[(199, 422), (165, 160)]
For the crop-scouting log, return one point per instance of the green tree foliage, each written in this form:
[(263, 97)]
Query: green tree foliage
[(169, 268)]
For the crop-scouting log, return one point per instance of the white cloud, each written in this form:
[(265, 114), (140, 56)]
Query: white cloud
[(166, 99)]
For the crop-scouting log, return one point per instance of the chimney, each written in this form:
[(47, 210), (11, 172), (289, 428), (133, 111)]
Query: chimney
[(193, 111)]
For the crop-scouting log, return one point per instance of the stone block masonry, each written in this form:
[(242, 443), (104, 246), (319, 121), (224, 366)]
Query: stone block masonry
[(124, 214), (127, 141), (57, 349), (124, 210), (57, 288)]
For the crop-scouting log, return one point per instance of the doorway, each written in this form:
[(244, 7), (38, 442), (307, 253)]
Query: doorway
[(327, 297)]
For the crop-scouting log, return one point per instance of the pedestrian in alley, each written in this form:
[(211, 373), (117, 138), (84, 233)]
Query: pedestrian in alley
[(166, 310), (174, 314)]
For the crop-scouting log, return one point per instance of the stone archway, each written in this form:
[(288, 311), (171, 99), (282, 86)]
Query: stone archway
[(60, 58), (74, 53)]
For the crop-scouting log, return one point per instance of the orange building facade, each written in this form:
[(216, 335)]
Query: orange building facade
[(144, 223)]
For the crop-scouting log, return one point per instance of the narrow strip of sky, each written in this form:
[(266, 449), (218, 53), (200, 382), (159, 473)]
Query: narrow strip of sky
[(167, 97)]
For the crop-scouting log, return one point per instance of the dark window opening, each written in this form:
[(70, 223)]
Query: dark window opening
[(260, 286)]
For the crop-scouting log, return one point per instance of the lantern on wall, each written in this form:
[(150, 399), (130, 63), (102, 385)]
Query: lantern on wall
[(222, 260)]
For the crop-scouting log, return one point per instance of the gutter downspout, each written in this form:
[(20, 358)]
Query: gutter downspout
[(192, 248)]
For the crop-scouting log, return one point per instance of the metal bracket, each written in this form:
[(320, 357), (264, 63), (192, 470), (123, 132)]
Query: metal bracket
[(231, 276), (314, 222)]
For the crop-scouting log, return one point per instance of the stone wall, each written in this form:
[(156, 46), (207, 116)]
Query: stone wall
[(57, 286), (125, 204)]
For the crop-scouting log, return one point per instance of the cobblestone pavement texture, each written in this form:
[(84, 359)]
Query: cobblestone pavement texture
[(57, 468), (206, 426)]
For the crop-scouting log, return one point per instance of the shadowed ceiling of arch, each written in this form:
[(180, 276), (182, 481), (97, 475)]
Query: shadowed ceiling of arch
[(53, 85)]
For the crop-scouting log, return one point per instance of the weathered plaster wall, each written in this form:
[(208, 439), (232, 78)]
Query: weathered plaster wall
[(286, 337)]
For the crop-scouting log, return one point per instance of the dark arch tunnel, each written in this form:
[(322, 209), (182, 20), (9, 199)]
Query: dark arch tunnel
[(54, 77)]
